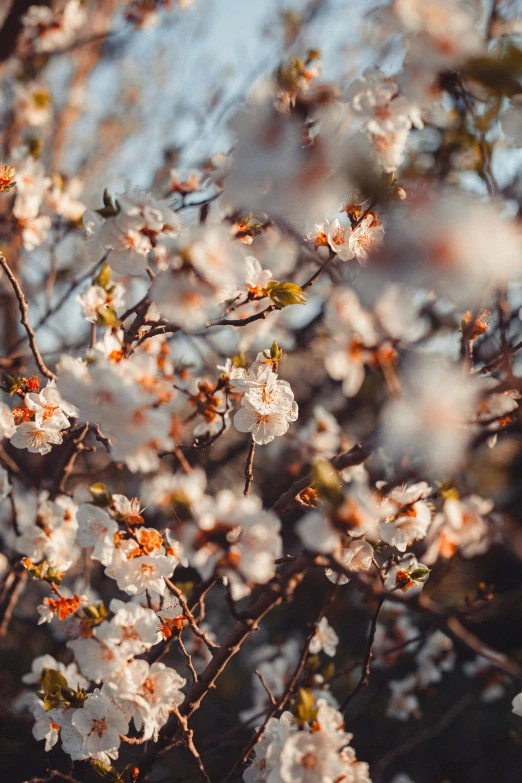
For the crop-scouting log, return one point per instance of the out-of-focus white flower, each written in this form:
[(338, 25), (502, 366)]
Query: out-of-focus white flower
[(184, 299), (256, 278), (5, 486), (178, 490), (141, 428), (353, 332), (53, 538), (386, 119), (398, 314), (33, 103), (357, 556), (7, 425), (517, 704), (430, 421), (462, 526), (445, 28), (410, 524), (458, 243), (35, 231), (129, 248), (272, 170), (321, 433), (317, 534), (63, 199), (437, 655), (374, 99), (49, 30), (249, 536), (403, 703), (216, 258), (325, 639), (492, 681), (96, 300), (393, 632), (511, 121), (31, 186)]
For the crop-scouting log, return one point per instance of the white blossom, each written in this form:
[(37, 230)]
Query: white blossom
[(37, 439), (100, 722), (325, 639)]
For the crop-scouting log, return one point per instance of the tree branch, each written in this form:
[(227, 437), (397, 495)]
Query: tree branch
[(22, 305)]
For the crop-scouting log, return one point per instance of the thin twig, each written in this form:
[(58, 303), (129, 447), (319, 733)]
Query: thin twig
[(22, 305), (249, 472), (11, 599), (132, 740), (264, 683), (355, 456), (189, 739), (279, 589), (448, 717), (243, 321), (188, 659), (190, 617), (59, 304), (282, 701), (365, 674), (75, 446)]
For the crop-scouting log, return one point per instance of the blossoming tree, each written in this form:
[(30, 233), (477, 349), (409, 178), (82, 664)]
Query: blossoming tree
[(260, 430)]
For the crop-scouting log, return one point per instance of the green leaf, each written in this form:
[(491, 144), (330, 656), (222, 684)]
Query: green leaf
[(73, 698), (53, 679), (109, 209), (284, 294), (499, 74), (420, 574), (52, 684), (54, 576), (103, 278), (304, 706), (327, 482), (100, 495), (96, 614), (275, 351), (240, 360), (106, 771), (107, 316)]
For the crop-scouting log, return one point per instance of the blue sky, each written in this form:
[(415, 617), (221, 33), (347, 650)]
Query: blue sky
[(211, 50)]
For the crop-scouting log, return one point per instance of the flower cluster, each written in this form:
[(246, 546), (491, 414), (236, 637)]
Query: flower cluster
[(267, 404), (40, 419), (310, 747), (151, 546)]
